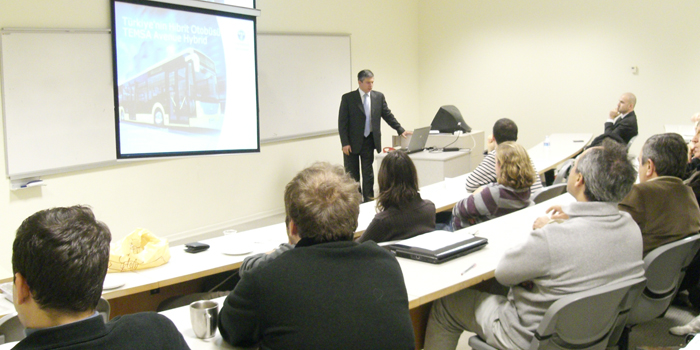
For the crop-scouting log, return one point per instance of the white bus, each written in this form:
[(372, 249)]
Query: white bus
[(178, 91)]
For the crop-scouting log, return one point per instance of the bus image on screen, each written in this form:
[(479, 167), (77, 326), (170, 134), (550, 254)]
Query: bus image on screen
[(178, 91)]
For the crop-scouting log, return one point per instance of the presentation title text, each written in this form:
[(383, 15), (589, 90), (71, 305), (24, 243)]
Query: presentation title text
[(173, 32)]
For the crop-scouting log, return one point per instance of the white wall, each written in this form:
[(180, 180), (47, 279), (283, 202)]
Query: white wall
[(559, 66), (177, 198)]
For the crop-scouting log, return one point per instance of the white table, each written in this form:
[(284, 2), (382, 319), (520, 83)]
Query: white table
[(473, 141), (433, 167), (8, 346), (184, 266), (181, 318), (694, 344), (446, 193), (6, 307), (427, 282), (561, 147)]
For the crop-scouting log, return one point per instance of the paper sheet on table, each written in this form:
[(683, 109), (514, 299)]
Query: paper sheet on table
[(435, 240), (456, 183)]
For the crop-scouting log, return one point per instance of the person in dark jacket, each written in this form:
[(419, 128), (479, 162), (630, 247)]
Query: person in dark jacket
[(328, 292), (59, 259), (401, 212)]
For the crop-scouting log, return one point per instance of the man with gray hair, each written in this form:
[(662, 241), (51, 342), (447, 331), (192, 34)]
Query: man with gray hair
[(584, 245), (328, 292), (664, 208)]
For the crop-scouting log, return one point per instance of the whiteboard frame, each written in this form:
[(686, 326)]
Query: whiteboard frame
[(19, 175), (95, 161)]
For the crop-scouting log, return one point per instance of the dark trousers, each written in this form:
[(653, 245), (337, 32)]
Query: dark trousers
[(352, 166), (691, 281)]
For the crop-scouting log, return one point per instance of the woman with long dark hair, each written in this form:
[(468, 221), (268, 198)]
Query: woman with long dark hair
[(401, 212)]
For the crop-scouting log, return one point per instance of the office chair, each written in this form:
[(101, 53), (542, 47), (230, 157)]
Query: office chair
[(563, 172), (584, 320), (548, 193), (664, 270), (103, 309), (629, 144), (11, 329)]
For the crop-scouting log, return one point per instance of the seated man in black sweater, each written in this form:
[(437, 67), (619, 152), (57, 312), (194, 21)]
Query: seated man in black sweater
[(328, 292), (59, 259)]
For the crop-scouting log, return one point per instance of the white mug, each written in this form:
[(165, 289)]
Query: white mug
[(204, 315)]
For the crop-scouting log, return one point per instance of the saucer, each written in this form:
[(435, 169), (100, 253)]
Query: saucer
[(238, 249)]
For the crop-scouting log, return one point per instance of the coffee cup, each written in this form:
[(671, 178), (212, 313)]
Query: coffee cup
[(204, 315)]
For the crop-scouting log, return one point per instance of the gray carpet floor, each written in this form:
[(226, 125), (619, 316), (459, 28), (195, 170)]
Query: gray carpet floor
[(655, 333)]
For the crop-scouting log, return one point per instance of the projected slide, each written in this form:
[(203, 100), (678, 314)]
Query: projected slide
[(186, 81)]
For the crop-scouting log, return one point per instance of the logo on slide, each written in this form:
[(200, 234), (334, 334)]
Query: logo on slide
[(241, 35)]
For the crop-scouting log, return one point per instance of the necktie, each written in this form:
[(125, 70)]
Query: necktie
[(368, 118)]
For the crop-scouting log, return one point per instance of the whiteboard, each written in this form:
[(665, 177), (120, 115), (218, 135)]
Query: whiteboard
[(58, 97), (301, 79), (58, 102)]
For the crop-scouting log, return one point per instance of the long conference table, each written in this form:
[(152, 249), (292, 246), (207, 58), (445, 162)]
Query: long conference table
[(427, 282), (185, 267), (561, 147), (424, 282)]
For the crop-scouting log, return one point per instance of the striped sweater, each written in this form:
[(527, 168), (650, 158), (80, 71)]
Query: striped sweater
[(485, 174), (495, 200)]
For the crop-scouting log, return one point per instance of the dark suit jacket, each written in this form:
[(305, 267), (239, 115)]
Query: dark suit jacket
[(335, 295), (665, 210), (622, 131), (351, 120)]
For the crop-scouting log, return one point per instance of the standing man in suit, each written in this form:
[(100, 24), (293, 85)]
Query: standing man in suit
[(360, 131), (621, 125)]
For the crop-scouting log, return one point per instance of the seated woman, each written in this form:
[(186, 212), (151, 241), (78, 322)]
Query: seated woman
[(511, 192), (401, 212)]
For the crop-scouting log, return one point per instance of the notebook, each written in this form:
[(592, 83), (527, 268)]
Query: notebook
[(438, 246), (418, 140)]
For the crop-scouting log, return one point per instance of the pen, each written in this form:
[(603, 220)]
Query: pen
[(468, 268)]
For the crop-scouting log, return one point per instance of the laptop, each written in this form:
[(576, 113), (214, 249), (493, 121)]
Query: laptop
[(418, 140), (438, 246)]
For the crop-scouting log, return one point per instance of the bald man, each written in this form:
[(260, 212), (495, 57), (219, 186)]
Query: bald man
[(621, 125)]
